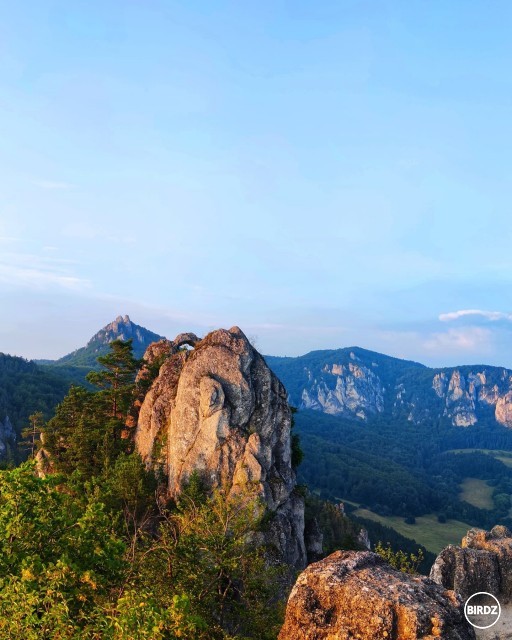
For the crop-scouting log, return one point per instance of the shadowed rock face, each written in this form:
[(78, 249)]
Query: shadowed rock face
[(220, 410), (467, 571), (355, 594), (483, 563)]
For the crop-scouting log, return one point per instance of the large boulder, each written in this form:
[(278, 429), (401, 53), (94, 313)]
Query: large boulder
[(467, 571), (482, 563), (356, 595), (218, 409)]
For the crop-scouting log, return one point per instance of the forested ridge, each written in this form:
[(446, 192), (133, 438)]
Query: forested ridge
[(25, 388)]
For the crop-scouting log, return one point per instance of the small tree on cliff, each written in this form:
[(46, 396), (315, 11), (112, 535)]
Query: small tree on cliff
[(117, 377), (32, 433), (85, 433)]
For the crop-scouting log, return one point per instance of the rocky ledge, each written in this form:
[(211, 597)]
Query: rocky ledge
[(482, 563), (356, 595)]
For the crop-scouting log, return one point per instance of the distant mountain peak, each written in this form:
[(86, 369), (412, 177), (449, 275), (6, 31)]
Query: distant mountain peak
[(122, 328)]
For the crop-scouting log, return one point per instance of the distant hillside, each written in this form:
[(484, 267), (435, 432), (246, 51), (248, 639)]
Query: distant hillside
[(122, 328), (24, 389), (401, 441), (360, 384)]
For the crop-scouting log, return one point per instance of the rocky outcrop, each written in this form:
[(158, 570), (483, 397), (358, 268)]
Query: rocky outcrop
[(360, 384), (503, 410), (356, 594), (219, 410), (345, 389), (482, 563), (467, 571), (7, 437)]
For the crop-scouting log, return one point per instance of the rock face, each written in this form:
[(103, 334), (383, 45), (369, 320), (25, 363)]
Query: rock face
[(7, 436), (218, 409), (356, 595), (483, 563), (351, 389), (361, 384)]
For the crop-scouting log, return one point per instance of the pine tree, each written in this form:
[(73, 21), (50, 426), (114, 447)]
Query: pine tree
[(117, 377), (32, 433)]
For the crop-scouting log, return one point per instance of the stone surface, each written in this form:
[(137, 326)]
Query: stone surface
[(356, 595), (467, 571), (503, 411), (7, 436), (350, 389), (363, 539), (218, 409), (483, 563)]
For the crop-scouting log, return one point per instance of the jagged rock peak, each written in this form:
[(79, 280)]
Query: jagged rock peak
[(218, 409), (356, 594), (122, 328), (482, 563)]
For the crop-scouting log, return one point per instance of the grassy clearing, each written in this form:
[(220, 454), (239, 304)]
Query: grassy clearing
[(427, 531), (507, 460), (354, 504), (502, 456), (477, 492)]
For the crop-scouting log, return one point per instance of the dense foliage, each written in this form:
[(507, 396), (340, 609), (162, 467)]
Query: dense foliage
[(399, 468), (92, 550), (24, 389)]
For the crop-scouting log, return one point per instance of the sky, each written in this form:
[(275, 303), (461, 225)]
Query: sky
[(322, 174)]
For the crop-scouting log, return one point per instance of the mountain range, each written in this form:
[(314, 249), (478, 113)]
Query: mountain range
[(361, 385), (390, 437), (352, 382)]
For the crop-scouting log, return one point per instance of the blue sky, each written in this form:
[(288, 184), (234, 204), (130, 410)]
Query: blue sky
[(322, 174)]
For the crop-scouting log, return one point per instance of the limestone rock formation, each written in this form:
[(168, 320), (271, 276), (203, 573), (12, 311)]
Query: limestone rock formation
[(7, 436), (357, 595), (350, 389), (360, 384), (466, 571), (218, 409), (483, 563)]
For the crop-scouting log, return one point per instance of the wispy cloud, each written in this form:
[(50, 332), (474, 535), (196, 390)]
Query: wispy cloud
[(54, 185), (39, 273), (8, 239), (489, 315), (468, 339)]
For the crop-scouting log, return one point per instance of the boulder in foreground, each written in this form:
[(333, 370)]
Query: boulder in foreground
[(482, 563), (356, 595)]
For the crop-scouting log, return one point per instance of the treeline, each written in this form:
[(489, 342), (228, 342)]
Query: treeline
[(26, 388)]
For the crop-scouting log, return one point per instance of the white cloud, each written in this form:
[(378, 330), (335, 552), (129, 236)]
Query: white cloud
[(489, 315), (467, 339), (54, 185)]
